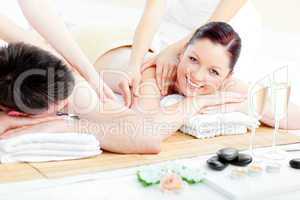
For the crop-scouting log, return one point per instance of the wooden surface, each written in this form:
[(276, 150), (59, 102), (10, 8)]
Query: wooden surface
[(176, 147)]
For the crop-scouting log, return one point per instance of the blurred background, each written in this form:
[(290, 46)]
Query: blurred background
[(280, 44), (278, 15)]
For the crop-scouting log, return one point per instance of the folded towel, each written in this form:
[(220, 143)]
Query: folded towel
[(42, 147), (211, 125)]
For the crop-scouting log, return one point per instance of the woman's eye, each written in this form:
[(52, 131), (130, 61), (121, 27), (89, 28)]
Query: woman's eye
[(192, 59), (214, 72)]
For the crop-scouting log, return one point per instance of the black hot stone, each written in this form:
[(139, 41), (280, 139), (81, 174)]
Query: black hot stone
[(227, 154), (242, 160), (215, 164), (295, 163)]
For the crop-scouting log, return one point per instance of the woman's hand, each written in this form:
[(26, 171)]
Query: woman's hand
[(8, 122), (166, 67)]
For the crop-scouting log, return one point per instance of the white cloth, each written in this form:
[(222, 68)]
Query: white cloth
[(42, 147), (212, 125)]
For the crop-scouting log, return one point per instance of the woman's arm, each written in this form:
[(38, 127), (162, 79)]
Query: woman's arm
[(142, 40), (42, 16), (145, 31), (224, 12), (289, 122)]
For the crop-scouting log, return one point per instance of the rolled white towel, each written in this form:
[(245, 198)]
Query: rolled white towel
[(41, 147)]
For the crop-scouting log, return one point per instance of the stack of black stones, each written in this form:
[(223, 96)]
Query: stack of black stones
[(228, 156)]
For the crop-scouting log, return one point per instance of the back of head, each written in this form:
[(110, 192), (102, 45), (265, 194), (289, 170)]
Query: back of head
[(31, 78), (223, 34)]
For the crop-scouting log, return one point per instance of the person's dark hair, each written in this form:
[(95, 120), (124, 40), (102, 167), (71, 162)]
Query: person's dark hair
[(31, 78), (223, 34)]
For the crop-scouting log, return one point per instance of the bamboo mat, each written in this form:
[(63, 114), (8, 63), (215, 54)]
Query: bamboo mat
[(176, 147)]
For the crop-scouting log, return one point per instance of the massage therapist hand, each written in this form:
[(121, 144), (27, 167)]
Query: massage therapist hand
[(166, 66), (130, 87), (124, 83)]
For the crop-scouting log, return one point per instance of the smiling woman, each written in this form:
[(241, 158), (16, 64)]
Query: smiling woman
[(208, 60)]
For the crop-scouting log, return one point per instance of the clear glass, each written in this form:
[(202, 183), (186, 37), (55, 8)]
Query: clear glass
[(257, 95), (280, 93)]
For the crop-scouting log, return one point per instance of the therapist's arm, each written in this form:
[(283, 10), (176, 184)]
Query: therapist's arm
[(145, 31), (224, 12), (10, 32), (43, 17)]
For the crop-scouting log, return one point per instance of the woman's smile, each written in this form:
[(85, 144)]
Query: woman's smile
[(193, 83)]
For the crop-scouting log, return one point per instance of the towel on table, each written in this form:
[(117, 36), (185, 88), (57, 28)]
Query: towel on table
[(211, 125), (42, 147)]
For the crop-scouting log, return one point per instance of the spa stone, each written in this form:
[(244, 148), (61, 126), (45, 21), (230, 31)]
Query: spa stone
[(215, 163), (242, 160), (227, 154), (295, 163)]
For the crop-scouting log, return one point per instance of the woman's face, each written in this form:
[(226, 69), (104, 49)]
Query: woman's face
[(202, 68)]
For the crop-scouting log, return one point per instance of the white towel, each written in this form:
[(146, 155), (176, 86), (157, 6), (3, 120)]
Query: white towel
[(42, 147), (211, 125)]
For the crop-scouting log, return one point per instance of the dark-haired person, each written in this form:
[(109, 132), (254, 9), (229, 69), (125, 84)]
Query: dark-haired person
[(34, 85), (205, 66), (32, 80)]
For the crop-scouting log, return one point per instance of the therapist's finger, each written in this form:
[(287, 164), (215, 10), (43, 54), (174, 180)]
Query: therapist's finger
[(163, 78), (124, 86), (168, 81), (158, 75), (135, 87), (108, 93)]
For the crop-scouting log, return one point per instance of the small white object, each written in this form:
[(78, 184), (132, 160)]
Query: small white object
[(273, 167)]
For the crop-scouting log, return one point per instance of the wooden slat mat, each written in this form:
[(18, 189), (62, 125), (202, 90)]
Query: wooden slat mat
[(176, 147)]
